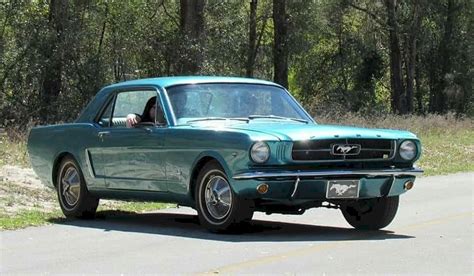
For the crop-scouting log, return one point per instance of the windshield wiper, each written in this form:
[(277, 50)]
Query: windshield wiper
[(217, 118), (251, 117)]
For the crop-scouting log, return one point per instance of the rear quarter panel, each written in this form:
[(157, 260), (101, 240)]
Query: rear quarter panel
[(48, 143)]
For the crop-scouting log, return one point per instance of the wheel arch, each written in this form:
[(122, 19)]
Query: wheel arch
[(200, 162), (57, 162)]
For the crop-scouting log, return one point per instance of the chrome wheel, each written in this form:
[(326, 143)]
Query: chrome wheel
[(71, 186), (73, 195), (218, 197), (219, 207)]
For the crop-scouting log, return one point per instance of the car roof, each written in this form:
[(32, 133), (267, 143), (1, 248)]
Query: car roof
[(172, 81), (90, 111)]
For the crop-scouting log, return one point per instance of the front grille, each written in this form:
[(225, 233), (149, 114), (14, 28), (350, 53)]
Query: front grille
[(321, 150)]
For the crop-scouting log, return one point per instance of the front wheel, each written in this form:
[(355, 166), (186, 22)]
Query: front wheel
[(371, 214), (74, 198), (219, 208)]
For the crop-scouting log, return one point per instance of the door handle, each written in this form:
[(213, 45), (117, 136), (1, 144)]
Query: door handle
[(101, 134)]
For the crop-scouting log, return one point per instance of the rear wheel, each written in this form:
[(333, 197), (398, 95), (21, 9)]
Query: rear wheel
[(74, 198), (371, 214), (219, 208)]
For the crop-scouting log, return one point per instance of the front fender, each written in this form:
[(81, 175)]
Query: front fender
[(214, 155)]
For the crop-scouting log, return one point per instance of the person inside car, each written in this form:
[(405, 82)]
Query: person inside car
[(148, 115)]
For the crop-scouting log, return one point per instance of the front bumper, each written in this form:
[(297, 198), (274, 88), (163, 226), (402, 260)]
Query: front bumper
[(330, 173), (312, 185)]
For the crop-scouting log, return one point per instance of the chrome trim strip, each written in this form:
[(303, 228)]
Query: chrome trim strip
[(387, 172), (295, 188), (89, 164), (316, 150), (311, 119), (169, 107)]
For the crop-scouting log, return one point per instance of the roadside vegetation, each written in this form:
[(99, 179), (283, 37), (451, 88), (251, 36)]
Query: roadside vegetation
[(13, 152), (448, 147)]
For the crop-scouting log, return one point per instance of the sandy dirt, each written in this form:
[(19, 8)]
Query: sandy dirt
[(20, 176), (21, 190)]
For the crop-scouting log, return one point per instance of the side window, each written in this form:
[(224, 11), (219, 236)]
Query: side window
[(144, 104), (104, 119), (131, 103)]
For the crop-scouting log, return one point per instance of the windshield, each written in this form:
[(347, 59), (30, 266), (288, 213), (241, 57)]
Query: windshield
[(232, 101)]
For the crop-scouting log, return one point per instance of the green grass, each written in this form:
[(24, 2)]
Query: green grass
[(36, 217), (445, 152), (27, 218), (137, 207)]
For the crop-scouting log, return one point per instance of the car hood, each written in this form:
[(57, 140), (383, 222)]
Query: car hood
[(300, 131)]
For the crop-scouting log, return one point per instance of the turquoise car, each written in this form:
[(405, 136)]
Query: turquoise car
[(226, 147)]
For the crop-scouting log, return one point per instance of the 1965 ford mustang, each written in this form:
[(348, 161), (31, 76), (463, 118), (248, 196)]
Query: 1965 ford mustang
[(226, 147)]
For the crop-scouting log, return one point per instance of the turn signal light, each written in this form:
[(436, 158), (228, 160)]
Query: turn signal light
[(262, 188)]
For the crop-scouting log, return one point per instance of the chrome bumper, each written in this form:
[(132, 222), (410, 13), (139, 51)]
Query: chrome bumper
[(327, 173)]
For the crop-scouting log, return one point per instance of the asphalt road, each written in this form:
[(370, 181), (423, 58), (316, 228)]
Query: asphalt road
[(432, 233)]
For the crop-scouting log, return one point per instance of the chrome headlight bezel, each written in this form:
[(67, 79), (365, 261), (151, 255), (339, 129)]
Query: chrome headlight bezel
[(260, 152), (408, 150)]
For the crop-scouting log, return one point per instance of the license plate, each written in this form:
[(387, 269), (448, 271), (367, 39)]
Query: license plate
[(342, 189)]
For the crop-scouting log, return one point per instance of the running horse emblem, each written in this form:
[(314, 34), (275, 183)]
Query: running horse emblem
[(341, 189), (345, 149)]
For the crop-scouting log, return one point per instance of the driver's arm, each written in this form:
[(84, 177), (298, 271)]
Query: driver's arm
[(133, 119)]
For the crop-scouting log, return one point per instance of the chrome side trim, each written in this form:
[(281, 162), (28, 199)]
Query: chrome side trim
[(386, 172), (89, 164)]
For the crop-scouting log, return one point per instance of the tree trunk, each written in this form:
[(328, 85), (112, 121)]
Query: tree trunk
[(102, 33), (251, 51), (438, 101), (396, 80), (192, 28), (419, 92), (280, 50), (410, 75), (51, 80), (410, 64)]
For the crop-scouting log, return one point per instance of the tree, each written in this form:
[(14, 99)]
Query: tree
[(51, 81), (252, 47), (280, 50), (411, 57), (396, 78), (192, 29)]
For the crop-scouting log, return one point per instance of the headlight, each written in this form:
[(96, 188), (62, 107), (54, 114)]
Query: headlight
[(260, 152), (408, 150)]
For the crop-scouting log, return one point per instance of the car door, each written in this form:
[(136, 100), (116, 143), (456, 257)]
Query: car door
[(132, 156)]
